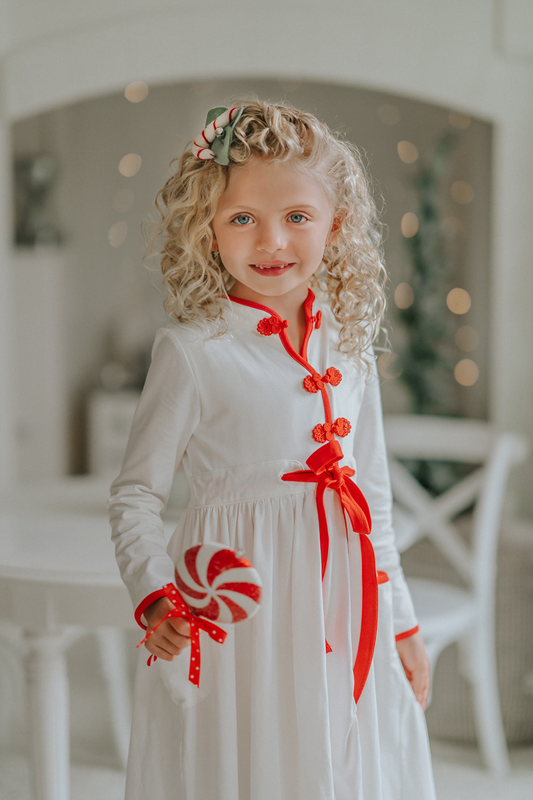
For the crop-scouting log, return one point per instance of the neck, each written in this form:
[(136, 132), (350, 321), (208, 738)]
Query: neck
[(289, 305)]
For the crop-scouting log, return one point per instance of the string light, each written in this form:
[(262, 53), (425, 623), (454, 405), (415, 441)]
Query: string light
[(387, 365), (123, 200), (458, 301), (451, 226), (466, 338), (458, 120), (462, 192), (136, 91), (404, 295), (388, 114), (130, 165), (117, 233), (466, 372), (409, 224), (408, 152)]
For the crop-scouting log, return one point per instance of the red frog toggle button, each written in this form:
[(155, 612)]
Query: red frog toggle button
[(313, 383), (317, 319), (270, 325), (325, 432)]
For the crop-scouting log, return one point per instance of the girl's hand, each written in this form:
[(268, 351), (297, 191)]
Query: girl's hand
[(172, 636), (416, 665)]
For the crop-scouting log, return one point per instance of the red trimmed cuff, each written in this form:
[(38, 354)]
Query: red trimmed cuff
[(406, 634), (141, 608)]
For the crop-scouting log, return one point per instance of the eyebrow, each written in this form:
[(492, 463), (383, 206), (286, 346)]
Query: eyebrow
[(303, 206)]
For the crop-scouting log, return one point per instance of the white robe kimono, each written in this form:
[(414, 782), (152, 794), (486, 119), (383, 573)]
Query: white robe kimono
[(275, 716)]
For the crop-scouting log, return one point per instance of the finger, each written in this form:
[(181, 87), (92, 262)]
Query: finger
[(157, 650), (174, 644), (180, 625), (420, 684)]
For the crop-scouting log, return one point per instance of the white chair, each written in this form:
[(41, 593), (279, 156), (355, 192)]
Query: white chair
[(447, 613)]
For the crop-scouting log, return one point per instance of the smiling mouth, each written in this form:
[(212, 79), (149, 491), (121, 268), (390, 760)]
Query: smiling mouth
[(268, 265)]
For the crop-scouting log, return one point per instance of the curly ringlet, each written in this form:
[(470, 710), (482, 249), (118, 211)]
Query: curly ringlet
[(352, 276)]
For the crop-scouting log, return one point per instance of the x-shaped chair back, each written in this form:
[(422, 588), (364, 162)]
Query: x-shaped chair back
[(466, 441)]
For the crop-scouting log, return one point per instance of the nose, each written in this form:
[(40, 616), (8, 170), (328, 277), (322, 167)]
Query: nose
[(270, 237)]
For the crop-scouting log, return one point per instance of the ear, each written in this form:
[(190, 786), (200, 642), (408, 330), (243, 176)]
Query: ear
[(336, 225)]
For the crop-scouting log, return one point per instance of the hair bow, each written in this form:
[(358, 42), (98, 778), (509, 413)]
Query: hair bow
[(216, 137)]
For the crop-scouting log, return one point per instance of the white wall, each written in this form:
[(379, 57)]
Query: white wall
[(472, 56)]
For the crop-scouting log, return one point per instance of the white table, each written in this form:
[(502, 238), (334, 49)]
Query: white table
[(57, 569)]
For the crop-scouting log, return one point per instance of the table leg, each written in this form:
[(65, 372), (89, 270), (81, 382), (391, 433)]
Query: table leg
[(48, 716)]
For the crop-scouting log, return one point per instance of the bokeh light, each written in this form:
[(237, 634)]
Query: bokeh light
[(117, 233), (466, 338), (466, 372), (458, 301), (404, 295), (388, 365), (408, 152), (409, 224), (136, 91), (130, 165), (388, 114), (458, 120), (123, 200), (451, 226), (462, 192)]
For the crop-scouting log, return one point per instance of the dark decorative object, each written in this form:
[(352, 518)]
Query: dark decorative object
[(427, 364), (426, 367), (35, 177)]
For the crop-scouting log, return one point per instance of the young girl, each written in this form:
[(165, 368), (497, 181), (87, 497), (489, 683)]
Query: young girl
[(270, 400)]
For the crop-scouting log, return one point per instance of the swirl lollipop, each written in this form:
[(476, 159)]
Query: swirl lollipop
[(217, 584), (212, 584)]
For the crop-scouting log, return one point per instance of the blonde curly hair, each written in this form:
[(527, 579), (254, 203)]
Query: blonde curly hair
[(352, 276)]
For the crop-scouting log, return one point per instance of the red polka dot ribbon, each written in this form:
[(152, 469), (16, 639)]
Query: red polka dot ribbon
[(182, 610)]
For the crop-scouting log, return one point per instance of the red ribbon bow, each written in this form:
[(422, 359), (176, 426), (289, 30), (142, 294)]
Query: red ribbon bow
[(324, 470), (181, 609)]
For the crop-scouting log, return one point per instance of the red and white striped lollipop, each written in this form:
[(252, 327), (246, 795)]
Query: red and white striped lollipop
[(217, 584)]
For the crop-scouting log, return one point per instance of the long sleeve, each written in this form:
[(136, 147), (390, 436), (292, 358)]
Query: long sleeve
[(373, 479), (167, 414)]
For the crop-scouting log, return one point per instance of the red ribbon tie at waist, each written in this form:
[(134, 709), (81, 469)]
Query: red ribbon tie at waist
[(324, 470), (181, 609)]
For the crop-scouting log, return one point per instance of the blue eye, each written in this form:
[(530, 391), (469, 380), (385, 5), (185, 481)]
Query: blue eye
[(242, 219), (297, 218)]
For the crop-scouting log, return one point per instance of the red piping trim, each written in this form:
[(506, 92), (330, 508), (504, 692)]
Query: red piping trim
[(300, 358), (141, 608), (406, 634), (308, 311), (382, 577)]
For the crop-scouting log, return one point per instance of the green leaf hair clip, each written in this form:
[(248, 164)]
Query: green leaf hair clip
[(215, 139)]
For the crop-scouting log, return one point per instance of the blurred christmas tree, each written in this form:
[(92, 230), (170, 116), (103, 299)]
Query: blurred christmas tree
[(426, 360), (426, 366)]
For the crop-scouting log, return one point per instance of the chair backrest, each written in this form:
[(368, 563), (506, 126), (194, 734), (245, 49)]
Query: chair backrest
[(464, 441)]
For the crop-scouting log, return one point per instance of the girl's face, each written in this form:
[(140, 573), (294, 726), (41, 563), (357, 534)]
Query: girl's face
[(271, 226)]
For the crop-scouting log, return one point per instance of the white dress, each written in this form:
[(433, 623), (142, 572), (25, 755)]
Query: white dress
[(274, 717)]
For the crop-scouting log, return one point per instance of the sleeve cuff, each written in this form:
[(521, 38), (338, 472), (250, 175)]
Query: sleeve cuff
[(406, 634), (141, 608)]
